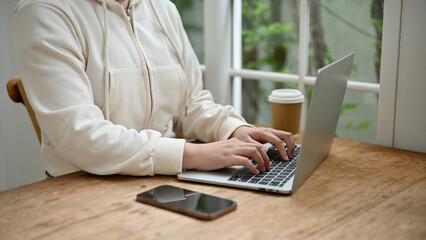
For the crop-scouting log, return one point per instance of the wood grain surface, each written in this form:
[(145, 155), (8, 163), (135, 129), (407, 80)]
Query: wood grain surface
[(361, 191)]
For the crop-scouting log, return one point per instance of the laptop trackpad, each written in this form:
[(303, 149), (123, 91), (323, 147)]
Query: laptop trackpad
[(217, 175)]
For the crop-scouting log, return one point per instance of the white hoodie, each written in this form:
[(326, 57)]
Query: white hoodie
[(122, 122)]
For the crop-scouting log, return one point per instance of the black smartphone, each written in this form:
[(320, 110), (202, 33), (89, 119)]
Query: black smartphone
[(195, 204)]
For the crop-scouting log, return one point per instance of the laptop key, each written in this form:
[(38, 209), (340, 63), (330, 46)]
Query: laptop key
[(264, 182), (244, 178), (234, 178), (274, 183), (254, 180)]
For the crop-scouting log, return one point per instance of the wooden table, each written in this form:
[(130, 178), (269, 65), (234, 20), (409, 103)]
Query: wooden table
[(361, 191)]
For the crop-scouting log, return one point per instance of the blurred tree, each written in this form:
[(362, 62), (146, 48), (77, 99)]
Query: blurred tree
[(377, 21), (266, 39), (317, 32)]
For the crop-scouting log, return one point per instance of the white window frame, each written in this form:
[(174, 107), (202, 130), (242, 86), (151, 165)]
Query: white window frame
[(389, 72), (222, 28)]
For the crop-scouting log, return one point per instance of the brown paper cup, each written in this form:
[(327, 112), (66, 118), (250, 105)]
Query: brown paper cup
[(286, 109)]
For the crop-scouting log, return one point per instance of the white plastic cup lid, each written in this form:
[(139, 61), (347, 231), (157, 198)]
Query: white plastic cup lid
[(286, 96)]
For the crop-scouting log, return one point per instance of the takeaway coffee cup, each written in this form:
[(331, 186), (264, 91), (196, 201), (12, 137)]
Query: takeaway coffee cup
[(286, 108)]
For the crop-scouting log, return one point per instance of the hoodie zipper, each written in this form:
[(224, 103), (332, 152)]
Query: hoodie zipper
[(128, 15), (143, 60)]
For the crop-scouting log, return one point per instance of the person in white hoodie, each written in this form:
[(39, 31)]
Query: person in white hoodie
[(111, 82)]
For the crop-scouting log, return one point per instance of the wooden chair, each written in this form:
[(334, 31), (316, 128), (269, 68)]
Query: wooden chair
[(16, 92)]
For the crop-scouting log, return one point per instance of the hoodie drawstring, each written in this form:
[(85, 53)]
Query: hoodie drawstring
[(106, 61)]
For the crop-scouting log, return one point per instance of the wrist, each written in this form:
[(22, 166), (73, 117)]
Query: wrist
[(237, 130), (188, 161)]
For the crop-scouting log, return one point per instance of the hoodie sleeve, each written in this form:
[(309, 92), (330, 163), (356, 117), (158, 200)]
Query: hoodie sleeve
[(204, 119), (52, 66)]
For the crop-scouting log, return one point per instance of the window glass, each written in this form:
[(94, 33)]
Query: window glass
[(338, 27), (269, 43), (192, 14), (358, 117)]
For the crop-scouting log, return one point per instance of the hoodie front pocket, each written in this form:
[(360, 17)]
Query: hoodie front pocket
[(129, 98), (169, 88)]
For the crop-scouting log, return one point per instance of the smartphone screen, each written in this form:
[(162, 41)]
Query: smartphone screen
[(188, 202)]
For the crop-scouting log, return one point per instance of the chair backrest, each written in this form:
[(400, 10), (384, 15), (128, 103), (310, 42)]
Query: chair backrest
[(16, 92)]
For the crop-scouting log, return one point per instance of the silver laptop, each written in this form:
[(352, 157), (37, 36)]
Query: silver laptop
[(286, 176)]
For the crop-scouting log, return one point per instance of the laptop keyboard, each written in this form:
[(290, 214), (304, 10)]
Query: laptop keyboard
[(280, 172)]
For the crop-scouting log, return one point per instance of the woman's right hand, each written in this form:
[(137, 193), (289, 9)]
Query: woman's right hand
[(231, 152)]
